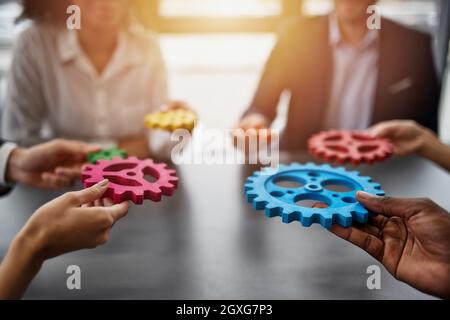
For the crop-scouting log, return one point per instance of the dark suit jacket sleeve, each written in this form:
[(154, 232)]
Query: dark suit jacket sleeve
[(430, 80), (274, 79)]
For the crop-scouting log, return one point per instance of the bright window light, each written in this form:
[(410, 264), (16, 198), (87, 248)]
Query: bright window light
[(220, 8)]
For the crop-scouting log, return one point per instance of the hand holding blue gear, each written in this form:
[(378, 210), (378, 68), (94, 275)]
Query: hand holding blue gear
[(315, 183)]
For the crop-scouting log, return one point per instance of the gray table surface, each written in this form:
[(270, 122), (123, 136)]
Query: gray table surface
[(207, 243)]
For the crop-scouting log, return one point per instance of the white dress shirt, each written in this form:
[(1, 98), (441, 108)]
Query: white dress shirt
[(53, 85), (354, 81)]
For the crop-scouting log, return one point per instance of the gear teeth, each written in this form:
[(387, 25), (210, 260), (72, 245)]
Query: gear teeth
[(248, 186), (251, 196), (290, 216), (306, 221), (349, 147), (259, 204), (360, 216), (342, 213), (165, 184), (273, 211), (102, 162), (344, 219), (341, 170)]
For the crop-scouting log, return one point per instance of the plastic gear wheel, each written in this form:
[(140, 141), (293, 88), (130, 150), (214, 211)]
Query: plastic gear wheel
[(313, 183), (106, 154), (349, 146), (127, 179), (171, 120)]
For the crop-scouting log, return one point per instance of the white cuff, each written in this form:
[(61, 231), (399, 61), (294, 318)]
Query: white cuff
[(5, 152)]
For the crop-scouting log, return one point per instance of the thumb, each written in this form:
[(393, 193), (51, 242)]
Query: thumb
[(387, 206), (383, 131), (118, 211), (91, 194)]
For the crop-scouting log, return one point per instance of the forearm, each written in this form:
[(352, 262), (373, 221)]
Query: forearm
[(18, 268), (436, 151)]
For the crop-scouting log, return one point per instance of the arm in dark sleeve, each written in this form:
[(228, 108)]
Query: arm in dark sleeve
[(273, 81), (431, 83)]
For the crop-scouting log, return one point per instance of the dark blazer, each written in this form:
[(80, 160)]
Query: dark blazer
[(301, 62)]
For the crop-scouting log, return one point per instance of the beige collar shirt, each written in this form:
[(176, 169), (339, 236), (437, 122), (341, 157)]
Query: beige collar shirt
[(355, 75)]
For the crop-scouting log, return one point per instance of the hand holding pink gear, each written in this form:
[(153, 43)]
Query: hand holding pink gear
[(127, 179), (349, 146)]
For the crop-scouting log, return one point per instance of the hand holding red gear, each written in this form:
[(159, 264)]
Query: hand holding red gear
[(127, 179), (350, 146)]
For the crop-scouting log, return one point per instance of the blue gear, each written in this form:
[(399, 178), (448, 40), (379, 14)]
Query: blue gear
[(341, 208)]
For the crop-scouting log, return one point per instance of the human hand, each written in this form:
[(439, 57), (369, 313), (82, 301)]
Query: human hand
[(65, 224), (253, 127), (406, 136), (410, 237), (253, 121), (71, 223), (52, 165)]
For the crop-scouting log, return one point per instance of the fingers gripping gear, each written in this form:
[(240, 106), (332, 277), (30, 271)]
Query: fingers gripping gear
[(331, 192), (127, 179), (349, 146)]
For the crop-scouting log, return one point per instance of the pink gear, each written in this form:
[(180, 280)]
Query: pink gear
[(127, 179), (349, 146)]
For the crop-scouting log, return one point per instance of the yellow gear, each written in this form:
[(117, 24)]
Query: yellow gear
[(171, 120)]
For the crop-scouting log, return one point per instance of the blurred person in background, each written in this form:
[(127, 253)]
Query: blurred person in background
[(343, 75), (94, 84)]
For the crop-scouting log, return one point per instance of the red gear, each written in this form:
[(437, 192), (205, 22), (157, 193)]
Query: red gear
[(350, 146), (127, 179)]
